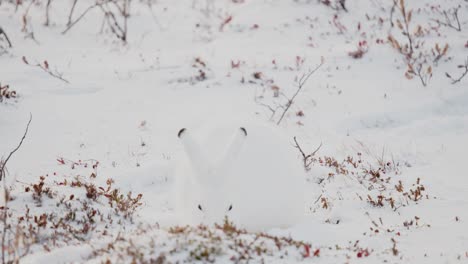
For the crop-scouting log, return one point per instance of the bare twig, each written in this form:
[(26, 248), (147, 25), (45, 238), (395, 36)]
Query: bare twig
[(423, 75), (47, 22), (71, 12), (301, 83), (307, 159), (465, 72), (4, 217), (70, 24), (336, 5), (45, 67), (451, 19), (2, 32), (120, 30), (4, 163), (5, 226), (392, 12)]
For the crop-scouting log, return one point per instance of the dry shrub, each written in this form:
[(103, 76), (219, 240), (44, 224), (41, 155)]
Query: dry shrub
[(6, 93)]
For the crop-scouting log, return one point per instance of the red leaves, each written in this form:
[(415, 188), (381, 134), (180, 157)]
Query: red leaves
[(361, 50), (307, 251), (363, 253), (225, 22), (61, 161), (308, 254)]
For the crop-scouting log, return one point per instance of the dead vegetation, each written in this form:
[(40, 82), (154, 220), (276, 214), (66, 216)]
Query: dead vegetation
[(464, 68), (6, 94), (280, 103), (82, 210), (450, 18), (12, 236), (201, 72), (379, 177), (4, 40), (44, 66), (204, 244), (419, 59)]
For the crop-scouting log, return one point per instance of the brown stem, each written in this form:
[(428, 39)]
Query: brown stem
[(71, 24), (71, 12), (302, 82), (2, 32), (3, 164)]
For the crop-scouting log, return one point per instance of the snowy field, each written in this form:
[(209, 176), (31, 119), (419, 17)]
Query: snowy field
[(370, 96)]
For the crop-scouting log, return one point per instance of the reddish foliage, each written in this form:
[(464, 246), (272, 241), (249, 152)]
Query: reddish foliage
[(307, 251), (235, 65), (225, 22), (363, 253)]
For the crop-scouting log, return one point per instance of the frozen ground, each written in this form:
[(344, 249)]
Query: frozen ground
[(397, 193)]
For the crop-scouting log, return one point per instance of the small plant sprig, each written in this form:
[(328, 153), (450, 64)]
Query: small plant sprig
[(419, 61), (451, 18), (4, 34), (335, 4), (116, 15), (46, 68), (5, 215), (362, 49), (300, 84), (6, 93), (464, 68), (3, 162), (307, 159)]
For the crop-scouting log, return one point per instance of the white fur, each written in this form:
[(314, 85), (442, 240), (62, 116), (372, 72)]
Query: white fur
[(258, 174)]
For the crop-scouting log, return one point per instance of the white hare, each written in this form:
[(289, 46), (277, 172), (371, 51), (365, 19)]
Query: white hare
[(249, 174)]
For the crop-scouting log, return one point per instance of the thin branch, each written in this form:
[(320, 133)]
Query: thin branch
[(302, 82), (4, 163), (120, 31), (2, 32), (71, 12), (45, 67), (453, 22), (465, 72), (422, 75), (71, 24), (406, 20), (47, 22), (306, 158), (392, 12)]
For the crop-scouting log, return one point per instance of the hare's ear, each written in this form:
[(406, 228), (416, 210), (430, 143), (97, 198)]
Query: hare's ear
[(233, 149), (195, 154)]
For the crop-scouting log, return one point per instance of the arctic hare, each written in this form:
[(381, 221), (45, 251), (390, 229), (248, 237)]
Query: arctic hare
[(250, 175)]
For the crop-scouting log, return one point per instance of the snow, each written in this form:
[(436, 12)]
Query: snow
[(125, 103)]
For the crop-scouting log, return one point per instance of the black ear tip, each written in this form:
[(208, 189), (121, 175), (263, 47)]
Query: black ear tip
[(243, 130), (181, 132)]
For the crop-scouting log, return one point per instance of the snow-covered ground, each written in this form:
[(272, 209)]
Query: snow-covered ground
[(389, 183)]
